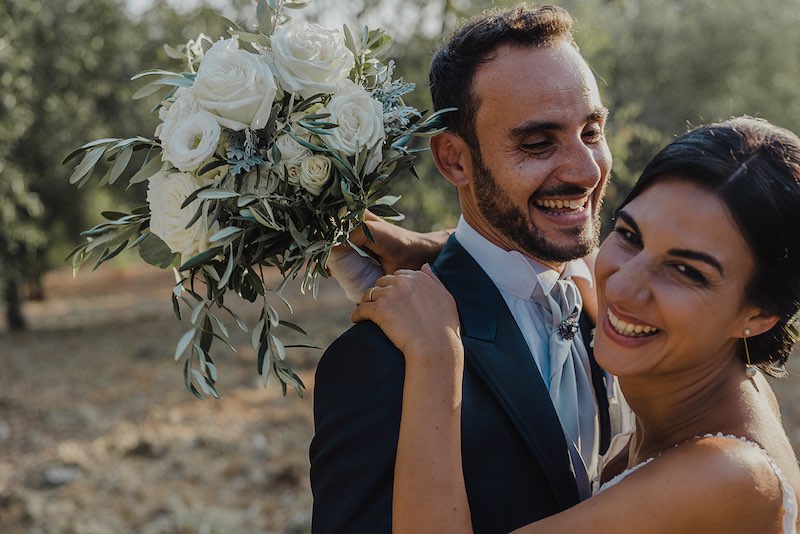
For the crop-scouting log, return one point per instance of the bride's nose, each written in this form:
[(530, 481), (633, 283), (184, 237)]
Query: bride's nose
[(629, 285)]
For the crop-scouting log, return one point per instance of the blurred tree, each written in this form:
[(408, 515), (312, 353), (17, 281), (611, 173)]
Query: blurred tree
[(21, 238), (64, 80)]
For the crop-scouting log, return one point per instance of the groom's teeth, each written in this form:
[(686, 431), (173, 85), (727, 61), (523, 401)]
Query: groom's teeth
[(629, 329), (560, 203)]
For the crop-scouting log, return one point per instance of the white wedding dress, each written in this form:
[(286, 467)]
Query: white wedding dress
[(789, 499)]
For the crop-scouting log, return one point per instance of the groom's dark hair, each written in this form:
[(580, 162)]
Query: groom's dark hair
[(473, 43)]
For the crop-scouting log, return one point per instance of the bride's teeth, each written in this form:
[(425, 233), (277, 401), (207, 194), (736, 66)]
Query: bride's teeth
[(629, 329)]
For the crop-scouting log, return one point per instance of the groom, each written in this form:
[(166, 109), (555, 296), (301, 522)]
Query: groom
[(527, 152)]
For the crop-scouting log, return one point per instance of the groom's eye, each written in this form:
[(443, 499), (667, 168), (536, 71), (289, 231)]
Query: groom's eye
[(593, 134), (537, 147)]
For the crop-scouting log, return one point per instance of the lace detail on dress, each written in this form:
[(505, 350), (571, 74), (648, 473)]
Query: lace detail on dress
[(789, 498)]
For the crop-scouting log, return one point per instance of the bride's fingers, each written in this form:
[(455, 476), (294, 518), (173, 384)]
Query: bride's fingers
[(368, 310), (370, 295)]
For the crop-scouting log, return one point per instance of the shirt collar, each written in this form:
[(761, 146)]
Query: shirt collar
[(511, 271)]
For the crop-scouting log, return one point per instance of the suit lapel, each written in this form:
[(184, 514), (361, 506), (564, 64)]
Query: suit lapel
[(498, 354), (599, 384)]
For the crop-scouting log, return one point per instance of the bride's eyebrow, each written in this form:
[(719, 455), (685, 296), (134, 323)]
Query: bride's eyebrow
[(680, 252), (696, 255), (627, 219)]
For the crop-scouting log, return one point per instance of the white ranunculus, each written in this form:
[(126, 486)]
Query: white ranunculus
[(236, 86), (192, 141), (308, 59), (360, 123), (166, 192), (314, 173)]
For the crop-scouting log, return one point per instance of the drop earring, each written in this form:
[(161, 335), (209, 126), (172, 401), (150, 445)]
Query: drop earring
[(749, 370)]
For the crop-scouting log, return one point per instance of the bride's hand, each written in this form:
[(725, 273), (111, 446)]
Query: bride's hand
[(416, 313)]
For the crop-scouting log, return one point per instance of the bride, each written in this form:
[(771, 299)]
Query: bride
[(698, 289)]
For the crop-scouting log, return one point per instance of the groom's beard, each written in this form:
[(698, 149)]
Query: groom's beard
[(499, 210)]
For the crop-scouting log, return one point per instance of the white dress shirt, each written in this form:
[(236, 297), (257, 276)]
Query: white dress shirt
[(516, 277)]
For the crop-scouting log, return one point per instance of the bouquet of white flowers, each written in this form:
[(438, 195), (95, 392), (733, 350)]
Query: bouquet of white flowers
[(271, 146)]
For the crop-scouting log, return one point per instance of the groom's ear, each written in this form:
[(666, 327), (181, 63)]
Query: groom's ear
[(453, 157)]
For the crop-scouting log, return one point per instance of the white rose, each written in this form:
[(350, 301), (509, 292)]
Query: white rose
[(360, 123), (192, 141), (173, 111), (292, 152), (293, 174), (314, 173), (308, 59), (166, 192), (236, 86), (214, 175)]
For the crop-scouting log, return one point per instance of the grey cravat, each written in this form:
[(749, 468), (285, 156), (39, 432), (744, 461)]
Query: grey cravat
[(570, 385)]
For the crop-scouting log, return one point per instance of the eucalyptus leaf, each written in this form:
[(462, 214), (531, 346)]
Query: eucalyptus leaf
[(146, 90), (217, 194), (87, 164), (153, 72), (225, 232), (199, 259), (279, 347), (149, 169), (97, 142), (293, 326), (154, 251), (223, 281), (120, 162), (197, 310), (184, 342)]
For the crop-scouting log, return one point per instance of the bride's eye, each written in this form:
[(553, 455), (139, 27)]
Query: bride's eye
[(691, 273), (628, 236)]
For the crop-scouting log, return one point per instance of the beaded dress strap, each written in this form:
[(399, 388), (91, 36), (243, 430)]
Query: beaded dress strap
[(789, 519)]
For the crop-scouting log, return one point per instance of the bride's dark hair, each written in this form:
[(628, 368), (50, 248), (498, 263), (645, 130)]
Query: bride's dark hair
[(754, 168)]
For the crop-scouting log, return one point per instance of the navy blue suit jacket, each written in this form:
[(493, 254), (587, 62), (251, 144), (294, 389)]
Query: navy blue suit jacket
[(515, 459)]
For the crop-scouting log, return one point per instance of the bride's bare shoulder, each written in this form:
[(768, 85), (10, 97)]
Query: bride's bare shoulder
[(727, 480), (711, 484)]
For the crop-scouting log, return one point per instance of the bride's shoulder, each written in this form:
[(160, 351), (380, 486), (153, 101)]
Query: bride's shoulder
[(710, 483), (726, 463), (731, 474)]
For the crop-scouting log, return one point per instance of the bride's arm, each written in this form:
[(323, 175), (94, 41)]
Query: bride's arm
[(420, 317)]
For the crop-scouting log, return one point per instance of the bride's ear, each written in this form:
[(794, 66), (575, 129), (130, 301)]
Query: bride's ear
[(759, 321), (453, 158)]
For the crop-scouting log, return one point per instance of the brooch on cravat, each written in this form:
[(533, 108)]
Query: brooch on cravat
[(568, 327)]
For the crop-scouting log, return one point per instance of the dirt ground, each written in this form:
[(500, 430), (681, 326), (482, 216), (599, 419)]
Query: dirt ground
[(98, 434)]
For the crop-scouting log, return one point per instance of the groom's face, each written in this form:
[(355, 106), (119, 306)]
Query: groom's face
[(543, 163)]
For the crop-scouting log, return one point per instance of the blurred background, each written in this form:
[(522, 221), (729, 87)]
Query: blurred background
[(97, 433)]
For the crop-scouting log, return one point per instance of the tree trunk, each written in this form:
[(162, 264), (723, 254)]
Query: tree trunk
[(16, 321)]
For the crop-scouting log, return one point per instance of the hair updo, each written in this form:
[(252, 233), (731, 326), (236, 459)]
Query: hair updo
[(754, 168)]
